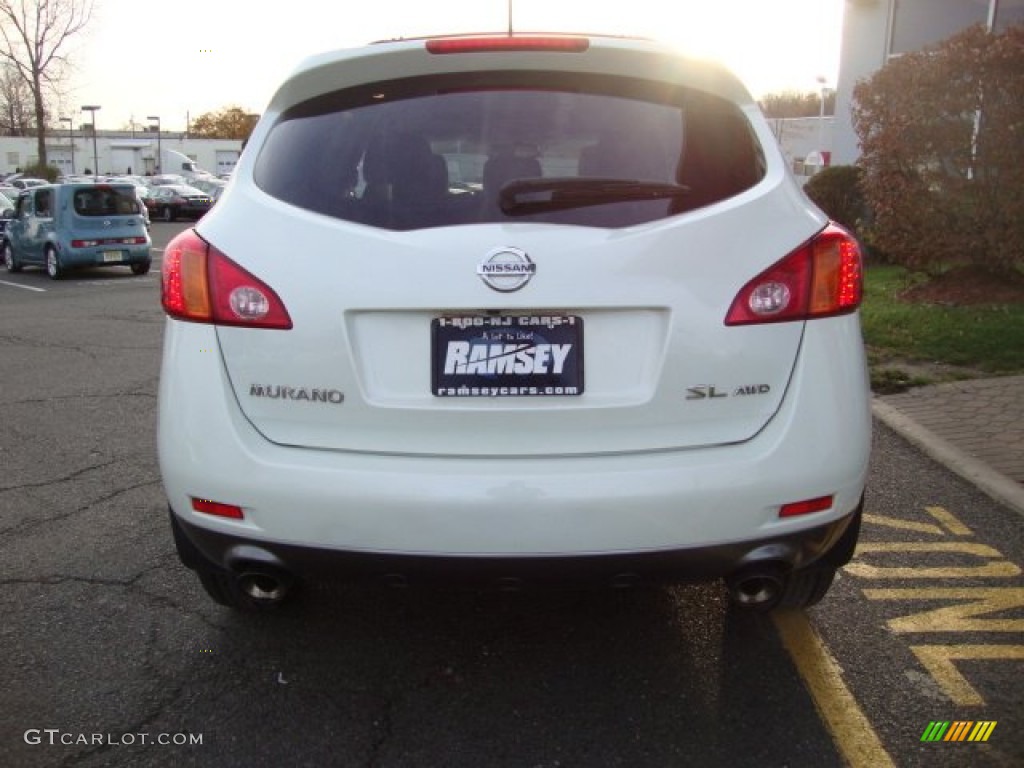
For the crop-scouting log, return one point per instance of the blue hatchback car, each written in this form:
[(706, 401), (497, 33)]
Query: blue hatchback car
[(64, 226)]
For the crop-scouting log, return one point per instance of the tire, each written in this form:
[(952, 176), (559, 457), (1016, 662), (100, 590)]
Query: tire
[(166, 214), (10, 262), (224, 589), (807, 586), (218, 586), (221, 585), (140, 268), (53, 267)]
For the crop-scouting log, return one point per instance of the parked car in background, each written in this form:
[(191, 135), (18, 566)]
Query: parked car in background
[(141, 190), (27, 183), (64, 226), (6, 212), (177, 201), (551, 308), (142, 193), (212, 187), (164, 179)]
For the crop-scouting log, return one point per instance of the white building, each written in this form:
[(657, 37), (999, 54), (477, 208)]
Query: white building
[(874, 31), (116, 152), (803, 139)]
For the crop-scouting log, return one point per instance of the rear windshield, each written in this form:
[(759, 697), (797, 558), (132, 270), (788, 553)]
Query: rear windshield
[(106, 201), (439, 151)]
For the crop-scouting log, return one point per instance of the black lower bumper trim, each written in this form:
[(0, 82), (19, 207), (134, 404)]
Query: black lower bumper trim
[(202, 548)]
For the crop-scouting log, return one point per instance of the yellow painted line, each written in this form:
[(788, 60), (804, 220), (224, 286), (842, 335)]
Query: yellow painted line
[(939, 661), (823, 677), (996, 567), (948, 521), (973, 604), (902, 525)]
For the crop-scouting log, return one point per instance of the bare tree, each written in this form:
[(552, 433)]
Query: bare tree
[(797, 104), (34, 34), (15, 103)]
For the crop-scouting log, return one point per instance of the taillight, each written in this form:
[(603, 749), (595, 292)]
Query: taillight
[(821, 278), (202, 285), (497, 43)]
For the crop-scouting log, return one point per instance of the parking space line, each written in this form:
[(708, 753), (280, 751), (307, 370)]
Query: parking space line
[(26, 287), (850, 729)]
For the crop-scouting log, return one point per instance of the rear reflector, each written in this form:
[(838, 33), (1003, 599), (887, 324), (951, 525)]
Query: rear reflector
[(821, 278), (806, 507), (217, 508), (508, 43)]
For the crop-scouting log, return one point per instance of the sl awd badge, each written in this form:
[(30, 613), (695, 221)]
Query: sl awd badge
[(706, 392), (506, 269)]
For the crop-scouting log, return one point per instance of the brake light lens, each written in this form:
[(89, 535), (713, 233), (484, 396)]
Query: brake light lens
[(202, 285), (821, 278), (495, 43)]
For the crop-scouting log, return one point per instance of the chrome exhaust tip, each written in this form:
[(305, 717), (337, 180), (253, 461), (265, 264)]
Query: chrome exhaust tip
[(757, 587), (263, 587)]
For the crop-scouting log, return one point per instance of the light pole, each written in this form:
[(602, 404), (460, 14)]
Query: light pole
[(821, 114), (95, 155), (159, 154), (71, 140)]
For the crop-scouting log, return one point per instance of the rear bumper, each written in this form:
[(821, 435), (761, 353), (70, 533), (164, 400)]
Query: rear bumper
[(204, 548), (712, 506), (84, 257)]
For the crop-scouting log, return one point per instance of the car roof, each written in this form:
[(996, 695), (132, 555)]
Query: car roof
[(178, 188)]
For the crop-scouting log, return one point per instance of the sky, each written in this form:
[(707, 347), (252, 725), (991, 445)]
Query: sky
[(179, 60)]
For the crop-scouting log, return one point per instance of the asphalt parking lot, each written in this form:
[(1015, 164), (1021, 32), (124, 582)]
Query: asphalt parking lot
[(110, 648)]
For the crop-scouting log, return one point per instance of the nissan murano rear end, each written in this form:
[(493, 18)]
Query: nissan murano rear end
[(517, 310)]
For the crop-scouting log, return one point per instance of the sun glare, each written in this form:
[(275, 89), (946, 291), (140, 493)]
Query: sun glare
[(773, 45)]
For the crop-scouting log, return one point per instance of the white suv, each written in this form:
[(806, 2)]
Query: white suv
[(518, 309)]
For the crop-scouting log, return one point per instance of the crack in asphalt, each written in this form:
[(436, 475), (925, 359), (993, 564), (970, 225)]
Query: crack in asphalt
[(139, 726), (30, 525), (130, 583), (105, 396), (57, 481), (21, 341)]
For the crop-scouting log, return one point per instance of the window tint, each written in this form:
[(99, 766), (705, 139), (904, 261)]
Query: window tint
[(435, 151), (44, 203), (105, 201)]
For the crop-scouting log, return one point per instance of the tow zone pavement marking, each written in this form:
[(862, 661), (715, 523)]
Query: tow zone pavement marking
[(822, 674)]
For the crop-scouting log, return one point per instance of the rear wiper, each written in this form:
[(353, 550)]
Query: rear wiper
[(525, 196)]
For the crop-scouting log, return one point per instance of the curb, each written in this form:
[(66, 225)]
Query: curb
[(994, 484)]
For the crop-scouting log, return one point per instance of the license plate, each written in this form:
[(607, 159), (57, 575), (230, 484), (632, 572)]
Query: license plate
[(507, 355), (112, 255)]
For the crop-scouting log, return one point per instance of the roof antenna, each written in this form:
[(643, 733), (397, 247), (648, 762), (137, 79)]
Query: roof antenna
[(510, 18)]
